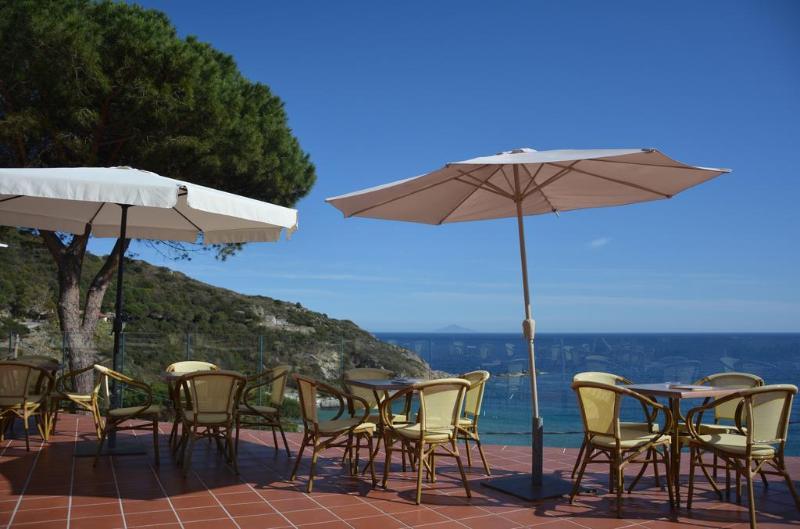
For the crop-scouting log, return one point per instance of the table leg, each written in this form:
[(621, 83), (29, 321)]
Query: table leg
[(675, 448)]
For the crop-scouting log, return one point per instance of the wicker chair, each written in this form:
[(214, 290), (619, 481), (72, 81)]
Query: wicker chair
[(24, 391), (600, 407), (468, 422), (440, 403), (182, 368), (116, 417), (213, 397), (762, 425), (336, 432), (252, 414)]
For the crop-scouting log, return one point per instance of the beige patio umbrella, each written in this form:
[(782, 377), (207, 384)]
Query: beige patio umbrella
[(527, 182)]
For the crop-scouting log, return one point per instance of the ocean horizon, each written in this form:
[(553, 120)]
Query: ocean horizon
[(683, 357)]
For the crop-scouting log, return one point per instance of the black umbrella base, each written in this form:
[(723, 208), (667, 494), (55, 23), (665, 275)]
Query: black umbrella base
[(521, 486)]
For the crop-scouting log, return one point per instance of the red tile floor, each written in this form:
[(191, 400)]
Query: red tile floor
[(48, 488)]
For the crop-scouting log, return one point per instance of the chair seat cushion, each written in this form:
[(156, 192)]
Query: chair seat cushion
[(642, 426), (630, 438), (396, 418), (342, 425), (252, 409), (736, 444), (412, 431), (205, 418), (153, 409), (710, 428)]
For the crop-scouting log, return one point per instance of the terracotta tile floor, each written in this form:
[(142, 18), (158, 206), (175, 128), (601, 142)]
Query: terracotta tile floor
[(48, 488)]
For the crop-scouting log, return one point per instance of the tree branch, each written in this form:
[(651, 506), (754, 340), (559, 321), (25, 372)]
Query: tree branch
[(54, 244), (99, 285)]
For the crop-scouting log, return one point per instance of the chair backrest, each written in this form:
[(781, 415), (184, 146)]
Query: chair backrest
[(213, 391), (474, 396), (600, 377), (440, 402), (190, 366), (15, 379), (37, 360), (727, 409), (279, 374), (599, 404), (365, 373), (307, 390), (766, 412)]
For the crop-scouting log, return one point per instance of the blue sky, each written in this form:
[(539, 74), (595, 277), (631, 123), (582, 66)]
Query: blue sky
[(382, 91)]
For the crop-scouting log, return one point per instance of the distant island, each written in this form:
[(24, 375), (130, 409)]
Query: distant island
[(454, 329)]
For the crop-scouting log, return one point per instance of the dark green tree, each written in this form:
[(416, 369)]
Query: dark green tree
[(85, 83)]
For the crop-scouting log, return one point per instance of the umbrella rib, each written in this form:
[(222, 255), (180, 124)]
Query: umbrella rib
[(620, 182), (555, 210), (533, 178), (505, 176), (424, 188), (490, 187), (96, 213), (10, 198), (557, 176), (688, 167), (466, 197), (198, 228)]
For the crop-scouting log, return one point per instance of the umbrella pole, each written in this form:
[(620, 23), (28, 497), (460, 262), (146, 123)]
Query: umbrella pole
[(116, 397), (529, 329), (535, 486)]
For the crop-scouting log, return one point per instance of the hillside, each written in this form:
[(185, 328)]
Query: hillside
[(173, 316)]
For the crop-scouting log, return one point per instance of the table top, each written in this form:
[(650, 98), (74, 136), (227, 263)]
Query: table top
[(382, 384), (680, 391)]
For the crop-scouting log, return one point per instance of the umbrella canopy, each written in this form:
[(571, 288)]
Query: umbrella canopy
[(490, 187), (527, 182), (68, 199)]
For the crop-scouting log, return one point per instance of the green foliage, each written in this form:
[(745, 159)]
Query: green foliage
[(85, 83)]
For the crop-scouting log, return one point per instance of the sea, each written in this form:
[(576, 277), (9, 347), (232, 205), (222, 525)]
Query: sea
[(642, 358)]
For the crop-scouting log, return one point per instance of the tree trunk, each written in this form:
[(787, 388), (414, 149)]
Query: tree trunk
[(79, 326)]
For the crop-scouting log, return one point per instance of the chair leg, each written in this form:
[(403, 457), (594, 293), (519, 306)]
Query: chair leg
[(275, 441), (238, 427), (579, 458), (285, 443), (371, 462), (586, 454), (27, 438), (655, 469), (789, 483), (420, 465), (665, 458), (387, 445), (693, 454), (299, 456), (483, 457), (467, 450), (738, 485), (314, 457), (188, 449), (619, 482), (751, 497), (460, 469), (232, 451), (155, 442)]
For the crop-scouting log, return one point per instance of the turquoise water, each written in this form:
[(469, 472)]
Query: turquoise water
[(639, 357)]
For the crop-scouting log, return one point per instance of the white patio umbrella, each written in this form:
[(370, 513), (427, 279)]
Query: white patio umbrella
[(527, 182), (124, 203)]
